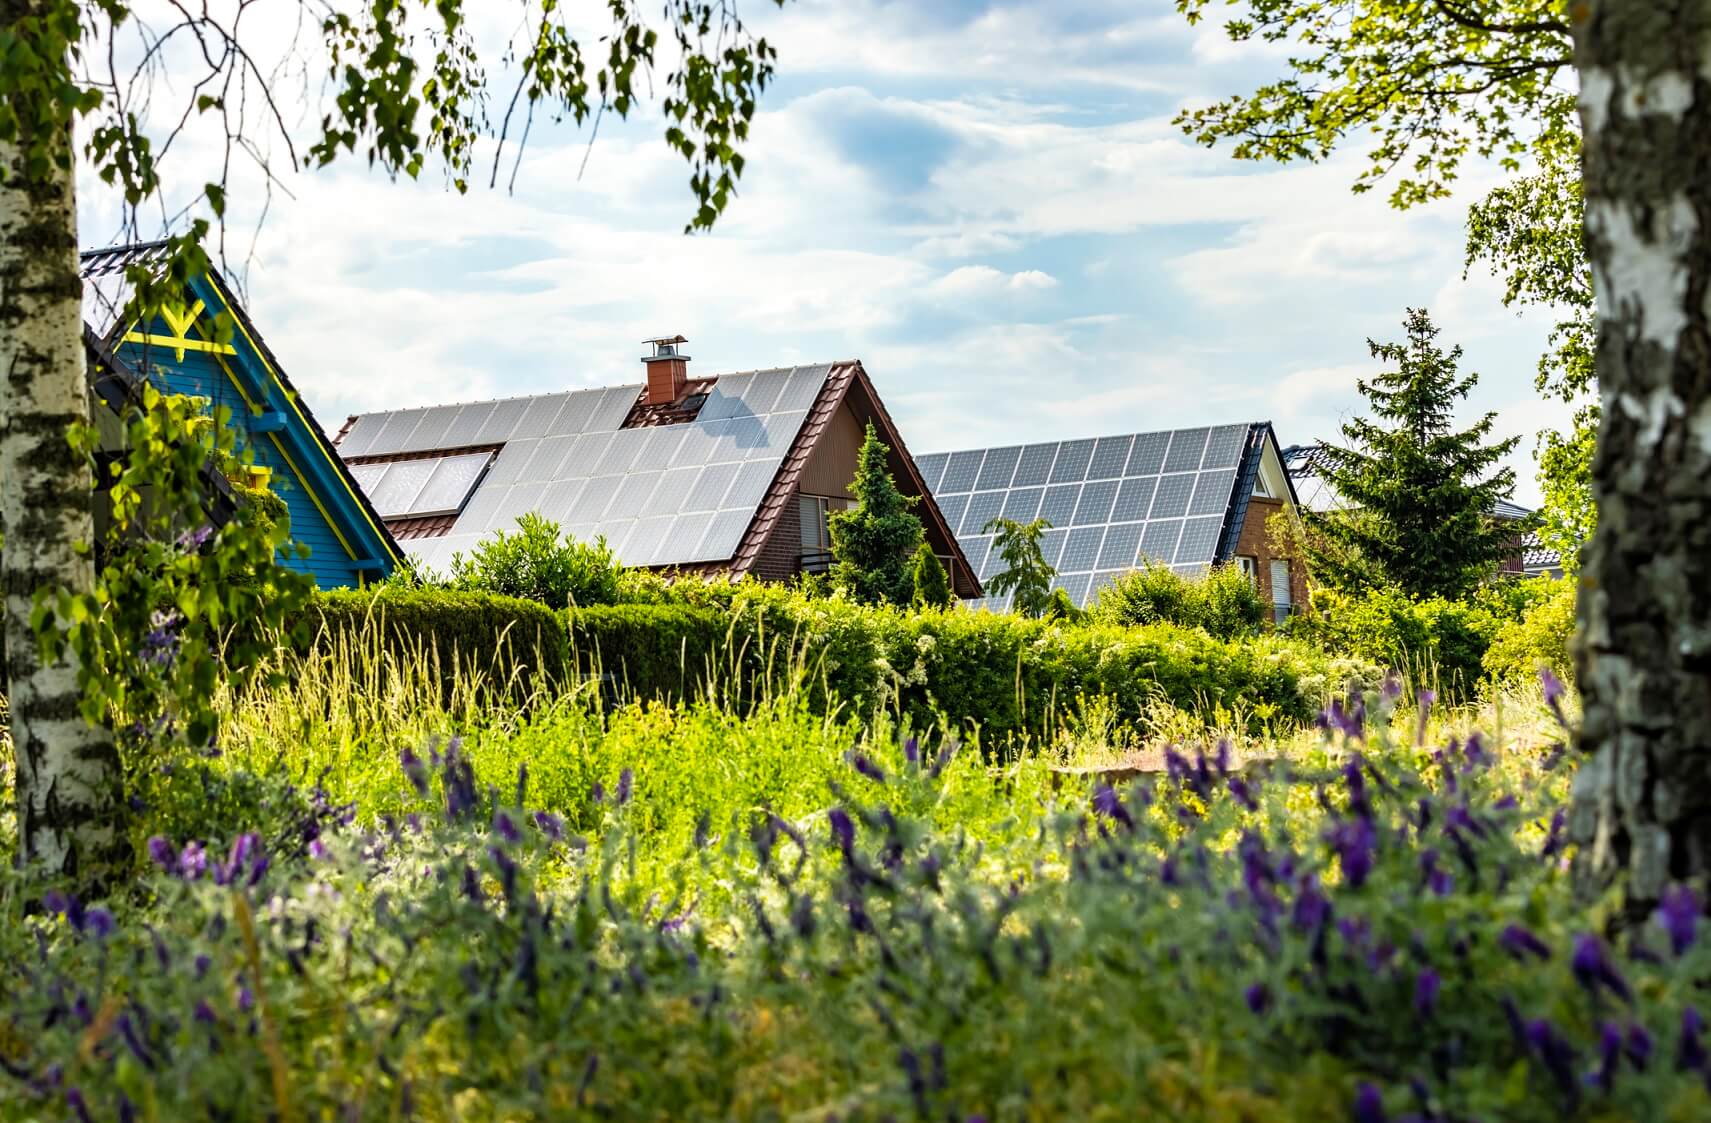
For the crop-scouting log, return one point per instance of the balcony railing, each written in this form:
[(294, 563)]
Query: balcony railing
[(817, 561)]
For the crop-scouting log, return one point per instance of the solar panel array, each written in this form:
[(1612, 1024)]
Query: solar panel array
[(665, 495), (1111, 501)]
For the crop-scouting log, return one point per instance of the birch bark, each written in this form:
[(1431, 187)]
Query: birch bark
[(68, 774), (1642, 800)]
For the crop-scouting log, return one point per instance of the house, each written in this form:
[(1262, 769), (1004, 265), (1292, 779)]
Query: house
[(211, 349), (732, 474), (1305, 464), (1186, 498)]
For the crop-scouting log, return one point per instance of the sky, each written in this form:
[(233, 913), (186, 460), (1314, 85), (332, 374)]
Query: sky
[(984, 202)]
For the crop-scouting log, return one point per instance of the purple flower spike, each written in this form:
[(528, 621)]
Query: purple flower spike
[(506, 829), (1609, 1056), (1392, 687), (1369, 1104), (550, 825), (1108, 804), (74, 1100), (1690, 1052), (843, 830), (1242, 793), (162, 854), (1354, 840), (1520, 943), (864, 764), (1426, 986), (912, 752), (1593, 969), (1258, 998), (1350, 722), (1426, 698), (1638, 1046), (1678, 914), (204, 1013), (99, 923), (626, 787)]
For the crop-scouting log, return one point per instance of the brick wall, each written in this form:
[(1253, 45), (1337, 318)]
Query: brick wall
[(780, 554), (1254, 542)]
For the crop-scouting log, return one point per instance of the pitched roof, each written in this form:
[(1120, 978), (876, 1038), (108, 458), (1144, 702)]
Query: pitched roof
[(1175, 496), (705, 492), (107, 292), (1306, 465)]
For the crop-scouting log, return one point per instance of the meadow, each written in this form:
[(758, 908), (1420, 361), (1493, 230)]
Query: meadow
[(394, 892)]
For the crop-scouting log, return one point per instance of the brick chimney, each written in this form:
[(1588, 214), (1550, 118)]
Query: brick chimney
[(668, 370)]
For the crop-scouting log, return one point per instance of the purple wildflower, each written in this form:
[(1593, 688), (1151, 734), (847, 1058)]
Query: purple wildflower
[(550, 825), (318, 850), (1312, 908), (192, 861), (1354, 841), (1167, 871), (1392, 688), (1107, 803), (1354, 778), (1593, 969), (1609, 1055), (1690, 1051), (1426, 698), (1678, 915), (1242, 793), (1520, 943), (162, 854), (912, 752), (506, 829), (99, 923), (1350, 722), (843, 830), (1556, 1055), (1258, 998), (128, 1032), (74, 1100), (1554, 834), (864, 764), (202, 963), (1426, 986), (1638, 1046), (1369, 1104), (1554, 691), (204, 1013), (414, 770), (246, 998), (626, 787)]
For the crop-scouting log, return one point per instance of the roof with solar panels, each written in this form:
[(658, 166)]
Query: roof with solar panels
[(676, 473), (1177, 497)]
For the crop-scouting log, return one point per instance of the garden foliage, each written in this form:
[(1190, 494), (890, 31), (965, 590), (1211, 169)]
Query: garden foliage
[(1394, 941), (932, 583), (874, 542), (1026, 577), (1224, 602), (538, 562)]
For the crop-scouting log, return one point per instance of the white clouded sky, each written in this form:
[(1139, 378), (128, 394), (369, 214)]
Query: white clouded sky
[(984, 202)]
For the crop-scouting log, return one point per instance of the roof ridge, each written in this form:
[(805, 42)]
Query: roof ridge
[(123, 247), (636, 386), (1094, 437)]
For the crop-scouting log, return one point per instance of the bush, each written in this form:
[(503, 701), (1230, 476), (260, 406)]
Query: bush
[(932, 583), (1539, 636), (666, 651), (537, 563), (1436, 642), (505, 640), (1224, 602)]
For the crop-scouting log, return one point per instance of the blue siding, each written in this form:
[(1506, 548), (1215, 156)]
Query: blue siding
[(200, 374)]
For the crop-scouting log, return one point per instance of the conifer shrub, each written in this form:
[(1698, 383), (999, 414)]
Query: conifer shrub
[(932, 583)]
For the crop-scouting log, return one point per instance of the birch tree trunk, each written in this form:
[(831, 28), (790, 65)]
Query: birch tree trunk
[(68, 775), (1642, 800)]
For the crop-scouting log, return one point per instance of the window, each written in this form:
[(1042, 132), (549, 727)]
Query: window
[(813, 509), (1281, 602), (1249, 567)]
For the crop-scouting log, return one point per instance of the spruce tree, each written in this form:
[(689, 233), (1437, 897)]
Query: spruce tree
[(932, 583), (874, 540), (1416, 495)]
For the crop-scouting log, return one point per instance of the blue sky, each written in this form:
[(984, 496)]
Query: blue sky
[(984, 202)]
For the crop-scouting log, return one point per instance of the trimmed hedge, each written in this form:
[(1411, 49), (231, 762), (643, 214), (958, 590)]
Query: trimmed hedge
[(504, 639), (739, 645)]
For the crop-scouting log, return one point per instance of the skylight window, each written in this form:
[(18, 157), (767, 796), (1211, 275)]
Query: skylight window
[(407, 489)]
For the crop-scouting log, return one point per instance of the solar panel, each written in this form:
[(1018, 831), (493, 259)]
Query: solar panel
[(453, 479), (751, 483), (367, 475), (961, 471), (1072, 459), (1058, 506), (983, 507), (724, 532), (540, 417), (1109, 457), (1112, 502), (466, 424), (1035, 466), (762, 392), (1075, 586), (395, 492), (1023, 504), (560, 496), (931, 468), (1186, 449), (430, 432), (997, 468), (804, 386), (709, 491)]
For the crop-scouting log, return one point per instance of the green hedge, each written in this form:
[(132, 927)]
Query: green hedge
[(503, 639)]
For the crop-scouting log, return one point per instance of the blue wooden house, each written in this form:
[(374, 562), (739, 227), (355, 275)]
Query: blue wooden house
[(211, 349)]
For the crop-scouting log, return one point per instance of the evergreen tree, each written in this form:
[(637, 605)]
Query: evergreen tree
[(932, 583), (1417, 501), (1025, 571), (873, 541)]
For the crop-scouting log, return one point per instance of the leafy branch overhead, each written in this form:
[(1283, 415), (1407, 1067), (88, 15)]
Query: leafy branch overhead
[(1431, 83)]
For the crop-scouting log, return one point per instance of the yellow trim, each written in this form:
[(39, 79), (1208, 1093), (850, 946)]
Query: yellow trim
[(179, 344), (343, 476)]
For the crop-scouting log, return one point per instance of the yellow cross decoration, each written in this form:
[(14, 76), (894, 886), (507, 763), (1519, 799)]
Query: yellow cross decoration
[(179, 341)]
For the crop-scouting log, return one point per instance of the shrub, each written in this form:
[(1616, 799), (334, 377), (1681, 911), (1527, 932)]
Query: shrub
[(507, 641), (1438, 639), (1026, 577), (667, 651), (932, 583), (537, 563), (1223, 602), (1538, 637)]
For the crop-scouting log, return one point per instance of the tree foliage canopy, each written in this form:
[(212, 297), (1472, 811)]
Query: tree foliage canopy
[(875, 540), (1026, 573), (1416, 496)]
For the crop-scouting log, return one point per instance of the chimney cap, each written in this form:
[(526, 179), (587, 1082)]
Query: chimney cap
[(667, 339)]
